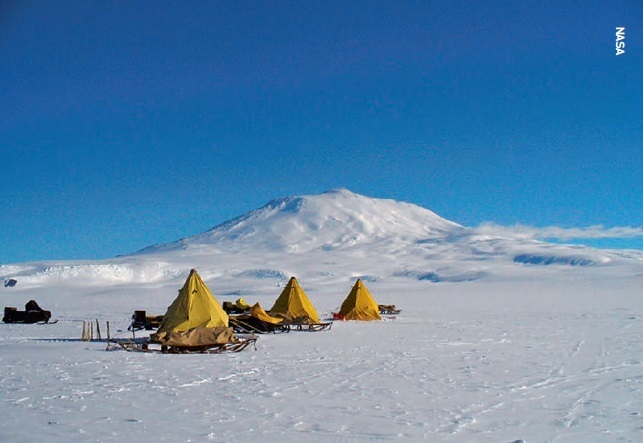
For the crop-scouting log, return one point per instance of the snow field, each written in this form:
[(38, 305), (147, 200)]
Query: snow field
[(463, 362)]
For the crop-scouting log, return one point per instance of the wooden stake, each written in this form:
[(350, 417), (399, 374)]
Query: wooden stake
[(98, 329)]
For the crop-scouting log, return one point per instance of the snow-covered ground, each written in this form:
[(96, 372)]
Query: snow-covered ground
[(499, 339)]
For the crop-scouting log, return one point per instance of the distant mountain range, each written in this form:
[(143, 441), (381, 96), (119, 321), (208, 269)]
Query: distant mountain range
[(339, 234)]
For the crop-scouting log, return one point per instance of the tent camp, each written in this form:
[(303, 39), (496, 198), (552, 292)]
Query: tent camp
[(194, 307), (294, 303), (359, 305)]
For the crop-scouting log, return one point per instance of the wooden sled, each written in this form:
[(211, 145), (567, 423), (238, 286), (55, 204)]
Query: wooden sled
[(251, 325), (146, 345), (303, 323), (388, 310), (311, 327), (286, 327)]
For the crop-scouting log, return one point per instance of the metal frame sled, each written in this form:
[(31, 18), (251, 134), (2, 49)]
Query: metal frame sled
[(388, 310)]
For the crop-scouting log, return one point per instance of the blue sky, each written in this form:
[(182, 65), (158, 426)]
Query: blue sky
[(125, 124)]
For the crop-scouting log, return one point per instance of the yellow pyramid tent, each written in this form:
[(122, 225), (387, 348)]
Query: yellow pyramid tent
[(194, 307), (294, 302), (359, 305)]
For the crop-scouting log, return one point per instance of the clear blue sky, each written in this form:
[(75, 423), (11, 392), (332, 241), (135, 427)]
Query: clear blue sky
[(129, 123)]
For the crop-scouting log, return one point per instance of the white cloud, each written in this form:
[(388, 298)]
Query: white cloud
[(530, 232)]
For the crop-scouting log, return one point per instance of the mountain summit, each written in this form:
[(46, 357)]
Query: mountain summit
[(333, 219)]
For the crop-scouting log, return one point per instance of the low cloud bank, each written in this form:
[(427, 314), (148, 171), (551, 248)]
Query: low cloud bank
[(555, 232)]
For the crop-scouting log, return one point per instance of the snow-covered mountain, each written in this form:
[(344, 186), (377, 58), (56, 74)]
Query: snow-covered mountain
[(406, 240), (336, 219), (344, 235)]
